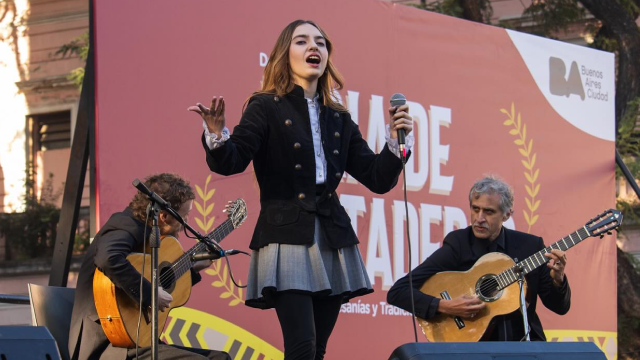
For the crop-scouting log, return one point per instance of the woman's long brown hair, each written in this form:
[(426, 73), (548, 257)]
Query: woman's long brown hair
[(278, 78)]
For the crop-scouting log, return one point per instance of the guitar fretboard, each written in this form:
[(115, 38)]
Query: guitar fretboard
[(184, 262), (538, 259)]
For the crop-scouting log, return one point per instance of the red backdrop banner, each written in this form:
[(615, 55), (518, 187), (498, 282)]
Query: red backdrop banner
[(539, 113)]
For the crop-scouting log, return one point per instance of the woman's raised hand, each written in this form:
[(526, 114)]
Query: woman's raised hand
[(213, 116)]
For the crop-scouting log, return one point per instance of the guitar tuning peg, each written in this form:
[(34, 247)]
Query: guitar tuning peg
[(609, 233), (601, 236)]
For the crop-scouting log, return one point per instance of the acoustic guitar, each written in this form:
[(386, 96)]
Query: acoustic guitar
[(119, 313), (494, 279)]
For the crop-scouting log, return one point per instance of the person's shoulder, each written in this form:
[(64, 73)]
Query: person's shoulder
[(123, 224), (259, 99), (457, 236), (262, 96), (259, 103)]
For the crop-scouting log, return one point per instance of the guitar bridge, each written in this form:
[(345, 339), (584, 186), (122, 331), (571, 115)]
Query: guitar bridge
[(459, 323)]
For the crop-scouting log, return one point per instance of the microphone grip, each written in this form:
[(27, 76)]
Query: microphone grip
[(213, 256), (396, 101), (206, 256), (401, 134)]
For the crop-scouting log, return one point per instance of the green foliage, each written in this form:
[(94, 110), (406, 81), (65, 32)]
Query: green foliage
[(631, 7), (628, 145), (552, 16), (628, 324), (32, 233), (601, 39), (80, 47), (628, 134), (446, 7), (77, 75), (628, 327), (454, 8), (634, 261)]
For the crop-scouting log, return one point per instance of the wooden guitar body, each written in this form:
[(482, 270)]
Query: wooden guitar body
[(442, 327), (118, 313)]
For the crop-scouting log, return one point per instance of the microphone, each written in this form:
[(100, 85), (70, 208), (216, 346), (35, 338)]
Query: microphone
[(153, 196), (213, 256), (396, 100)]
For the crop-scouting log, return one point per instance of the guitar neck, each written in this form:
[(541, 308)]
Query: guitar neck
[(538, 259), (184, 262)]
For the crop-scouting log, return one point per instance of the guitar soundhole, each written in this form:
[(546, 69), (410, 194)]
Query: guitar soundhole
[(487, 288), (167, 279)]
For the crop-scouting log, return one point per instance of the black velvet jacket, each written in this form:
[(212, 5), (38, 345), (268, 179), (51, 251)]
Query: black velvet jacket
[(275, 132)]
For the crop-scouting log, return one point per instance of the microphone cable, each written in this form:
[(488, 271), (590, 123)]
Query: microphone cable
[(406, 209), (226, 258)]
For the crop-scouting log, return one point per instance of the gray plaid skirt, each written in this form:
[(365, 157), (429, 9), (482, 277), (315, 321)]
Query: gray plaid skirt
[(317, 269)]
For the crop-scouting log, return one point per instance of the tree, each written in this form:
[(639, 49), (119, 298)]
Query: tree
[(618, 23), (78, 46)]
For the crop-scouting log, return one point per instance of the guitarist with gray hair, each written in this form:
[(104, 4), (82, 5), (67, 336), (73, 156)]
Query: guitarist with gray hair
[(491, 202)]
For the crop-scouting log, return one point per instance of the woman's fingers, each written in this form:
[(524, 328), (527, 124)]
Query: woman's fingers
[(405, 124), (214, 102), (401, 114), (403, 108), (203, 108), (195, 109), (219, 109), (402, 121)]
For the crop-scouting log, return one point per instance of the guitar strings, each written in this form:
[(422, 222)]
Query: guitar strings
[(494, 283), (180, 266)]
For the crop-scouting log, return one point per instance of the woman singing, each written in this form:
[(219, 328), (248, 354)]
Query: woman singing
[(305, 260)]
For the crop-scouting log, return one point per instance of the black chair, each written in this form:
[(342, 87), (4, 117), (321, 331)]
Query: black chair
[(51, 306)]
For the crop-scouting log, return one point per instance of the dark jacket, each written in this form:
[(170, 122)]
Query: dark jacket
[(119, 237), (275, 132), (459, 252)]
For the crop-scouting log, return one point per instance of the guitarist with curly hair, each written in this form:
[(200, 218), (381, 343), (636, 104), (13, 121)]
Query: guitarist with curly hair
[(121, 236)]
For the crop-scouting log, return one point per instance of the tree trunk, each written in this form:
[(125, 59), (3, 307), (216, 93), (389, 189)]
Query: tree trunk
[(628, 308), (625, 31), (471, 10)]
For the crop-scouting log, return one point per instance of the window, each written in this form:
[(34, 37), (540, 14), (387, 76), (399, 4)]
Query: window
[(52, 131)]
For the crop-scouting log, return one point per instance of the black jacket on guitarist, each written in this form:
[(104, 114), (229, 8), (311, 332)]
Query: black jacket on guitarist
[(119, 237), (122, 235), (459, 252)]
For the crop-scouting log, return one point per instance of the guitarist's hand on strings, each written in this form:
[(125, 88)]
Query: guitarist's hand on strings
[(557, 263), (465, 306), (164, 299), (203, 264)]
